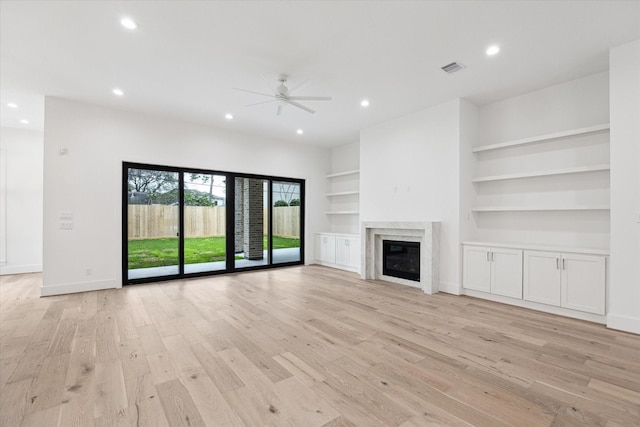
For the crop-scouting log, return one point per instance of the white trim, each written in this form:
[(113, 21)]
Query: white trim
[(338, 266), (623, 323), (535, 247), (3, 208), (450, 288), (20, 269), (72, 288), (596, 318)]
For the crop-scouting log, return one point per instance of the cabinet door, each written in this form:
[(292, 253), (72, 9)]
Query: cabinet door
[(506, 272), (343, 251), (542, 277), (354, 252), (328, 249), (583, 283), (476, 273)]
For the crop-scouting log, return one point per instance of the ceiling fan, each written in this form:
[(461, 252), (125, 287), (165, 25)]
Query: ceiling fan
[(282, 95)]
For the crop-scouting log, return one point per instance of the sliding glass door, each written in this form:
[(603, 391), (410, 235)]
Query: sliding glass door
[(153, 223), (286, 196), (204, 210), (180, 222)]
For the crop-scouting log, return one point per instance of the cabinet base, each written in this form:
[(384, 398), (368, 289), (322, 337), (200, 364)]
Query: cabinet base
[(338, 266), (596, 318)]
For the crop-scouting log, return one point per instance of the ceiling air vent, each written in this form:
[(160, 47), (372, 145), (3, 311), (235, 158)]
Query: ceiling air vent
[(453, 67)]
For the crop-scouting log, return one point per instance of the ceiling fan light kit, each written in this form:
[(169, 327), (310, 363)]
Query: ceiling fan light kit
[(281, 94)]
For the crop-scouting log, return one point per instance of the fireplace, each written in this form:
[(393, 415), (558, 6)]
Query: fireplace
[(426, 234), (401, 259)]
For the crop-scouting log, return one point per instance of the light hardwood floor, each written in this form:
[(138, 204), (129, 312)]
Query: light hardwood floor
[(303, 346)]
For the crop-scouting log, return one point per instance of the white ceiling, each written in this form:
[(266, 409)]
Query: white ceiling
[(187, 56)]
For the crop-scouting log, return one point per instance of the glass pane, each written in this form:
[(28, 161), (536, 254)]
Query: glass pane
[(286, 222), (153, 223), (205, 197), (251, 222)]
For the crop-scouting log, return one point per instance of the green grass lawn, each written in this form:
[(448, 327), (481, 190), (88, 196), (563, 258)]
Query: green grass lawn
[(162, 252)]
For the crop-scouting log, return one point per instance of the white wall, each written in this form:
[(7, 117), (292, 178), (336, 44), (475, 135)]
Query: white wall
[(575, 104), (624, 288), (87, 181), (21, 154), (409, 171)]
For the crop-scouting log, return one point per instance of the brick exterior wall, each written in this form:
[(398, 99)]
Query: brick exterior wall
[(239, 215), (253, 218)]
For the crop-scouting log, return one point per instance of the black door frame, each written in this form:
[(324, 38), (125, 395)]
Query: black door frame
[(229, 228)]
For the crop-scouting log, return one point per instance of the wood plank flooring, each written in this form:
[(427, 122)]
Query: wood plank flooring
[(303, 346)]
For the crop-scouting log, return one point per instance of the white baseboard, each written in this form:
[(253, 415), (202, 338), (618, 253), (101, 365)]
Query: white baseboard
[(338, 266), (20, 269), (450, 288), (72, 288), (596, 318), (623, 323)]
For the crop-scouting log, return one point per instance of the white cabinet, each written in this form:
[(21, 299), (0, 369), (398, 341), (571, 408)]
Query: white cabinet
[(338, 251), (476, 273), (542, 277), (494, 270), (348, 251), (568, 280), (327, 248), (547, 278)]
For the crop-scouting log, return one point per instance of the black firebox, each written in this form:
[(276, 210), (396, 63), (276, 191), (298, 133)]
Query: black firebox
[(401, 259)]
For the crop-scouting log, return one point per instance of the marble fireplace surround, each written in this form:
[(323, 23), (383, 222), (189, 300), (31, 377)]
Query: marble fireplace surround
[(427, 233)]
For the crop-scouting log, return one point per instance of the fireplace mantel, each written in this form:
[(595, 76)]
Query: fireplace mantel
[(427, 233)]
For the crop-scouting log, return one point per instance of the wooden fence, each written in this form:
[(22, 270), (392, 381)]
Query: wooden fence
[(155, 221)]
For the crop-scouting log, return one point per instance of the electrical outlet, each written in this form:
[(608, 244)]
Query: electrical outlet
[(66, 225), (88, 271), (66, 215)]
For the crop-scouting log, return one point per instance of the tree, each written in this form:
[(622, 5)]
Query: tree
[(287, 191), (280, 203), (204, 179), (294, 202), (151, 182)]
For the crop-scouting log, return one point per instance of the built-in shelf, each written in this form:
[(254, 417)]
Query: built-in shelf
[(578, 169), (335, 175), (543, 138), (342, 193), (343, 213), (541, 208)]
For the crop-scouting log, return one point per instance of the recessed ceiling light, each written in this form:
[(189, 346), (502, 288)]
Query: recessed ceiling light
[(12, 105), (228, 116), (299, 131), (492, 50), (118, 92), (365, 103), (24, 121), (129, 23)]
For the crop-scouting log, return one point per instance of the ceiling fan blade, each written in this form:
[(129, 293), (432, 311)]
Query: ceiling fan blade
[(263, 102), (269, 84), (279, 110), (250, 91), (310, 98), (302, 107), (299, 85)]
